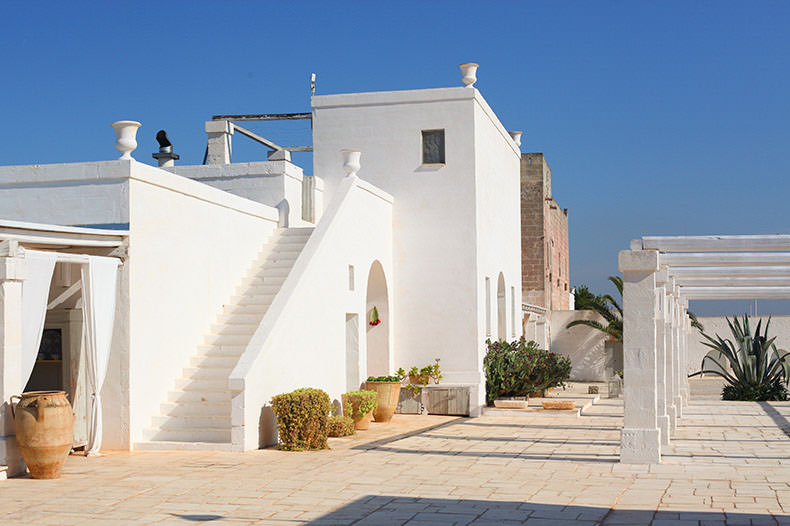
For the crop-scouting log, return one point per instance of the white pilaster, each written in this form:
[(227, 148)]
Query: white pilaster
[(685, 331), (12, 271), (641, 437), (672, 358), (219, 142), (662, 351)]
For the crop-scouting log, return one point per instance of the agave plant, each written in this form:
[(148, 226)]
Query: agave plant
[(754, 369)]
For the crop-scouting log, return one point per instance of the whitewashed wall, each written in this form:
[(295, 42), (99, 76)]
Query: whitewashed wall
[(301, 341), (274, 183), (780, 327), (584, 346), (66, 194), (498, 217), (438, 217), (190, 245)]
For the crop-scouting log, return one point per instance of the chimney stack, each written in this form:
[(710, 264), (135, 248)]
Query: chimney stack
[(165, 156)]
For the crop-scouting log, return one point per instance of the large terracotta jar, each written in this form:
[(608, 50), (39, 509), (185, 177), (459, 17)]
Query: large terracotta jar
[(44, 425), (388, 395)]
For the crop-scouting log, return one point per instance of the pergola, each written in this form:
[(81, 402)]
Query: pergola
[(660, 276)]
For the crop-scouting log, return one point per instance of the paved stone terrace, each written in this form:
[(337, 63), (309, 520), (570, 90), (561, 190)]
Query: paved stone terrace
[(729, 464)]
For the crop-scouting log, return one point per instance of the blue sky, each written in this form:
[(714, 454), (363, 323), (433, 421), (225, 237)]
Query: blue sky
[(656, 118)]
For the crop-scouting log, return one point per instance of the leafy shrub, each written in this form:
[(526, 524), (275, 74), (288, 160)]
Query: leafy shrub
[(340, 426), (754, 369), (357, 404), (302, 417), (520, 367), (383, 379)]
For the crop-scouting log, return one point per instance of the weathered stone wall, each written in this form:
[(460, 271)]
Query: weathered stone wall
[(544, 237)]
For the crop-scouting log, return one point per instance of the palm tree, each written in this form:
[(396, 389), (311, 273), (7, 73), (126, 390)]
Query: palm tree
[(609, 309)]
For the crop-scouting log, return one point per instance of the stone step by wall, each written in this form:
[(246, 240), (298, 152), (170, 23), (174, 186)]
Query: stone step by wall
[(197, 412)]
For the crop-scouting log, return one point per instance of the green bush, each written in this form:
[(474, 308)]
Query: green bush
[(520, 367), (357, 404), (340, 426), (302, 417)]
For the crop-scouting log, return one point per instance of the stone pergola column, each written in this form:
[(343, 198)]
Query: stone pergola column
[(672, 359), (685, 333), (13, 270), (662, 352), (219, 142), (640, 441)]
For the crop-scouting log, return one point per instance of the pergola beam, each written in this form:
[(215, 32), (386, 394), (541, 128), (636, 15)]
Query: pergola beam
[(765, 281), (721, 272), (735, 259), (717, 243), (735, 293)]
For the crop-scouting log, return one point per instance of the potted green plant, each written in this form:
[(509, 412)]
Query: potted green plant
[(516, 369), (387, 389), (359, 406)]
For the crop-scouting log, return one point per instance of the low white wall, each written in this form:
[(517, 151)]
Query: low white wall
[(66, 194), (584, 346), (308, 316), (274, 183), (190, 246), (780, 327)]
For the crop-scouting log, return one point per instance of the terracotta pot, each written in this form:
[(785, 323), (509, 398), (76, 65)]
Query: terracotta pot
[(363, 423), (44, 425), (388, 395)]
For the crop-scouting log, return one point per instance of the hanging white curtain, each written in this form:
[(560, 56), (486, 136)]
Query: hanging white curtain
[(35, 294), (99, 287)]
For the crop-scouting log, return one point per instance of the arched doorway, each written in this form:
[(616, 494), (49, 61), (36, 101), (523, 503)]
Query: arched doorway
[(378, 335), (501, 308)]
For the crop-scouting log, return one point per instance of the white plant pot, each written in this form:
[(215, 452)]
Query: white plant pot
[(516, 136), (469, 72), (125, 137), (351, 161)]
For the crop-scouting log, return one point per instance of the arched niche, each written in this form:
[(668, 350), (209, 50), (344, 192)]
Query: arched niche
[(377, 336)]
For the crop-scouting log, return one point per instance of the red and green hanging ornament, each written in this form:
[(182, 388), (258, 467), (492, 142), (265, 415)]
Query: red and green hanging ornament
[(374, 317)]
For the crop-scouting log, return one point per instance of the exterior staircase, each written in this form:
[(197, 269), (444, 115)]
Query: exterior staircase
[(197, 412)]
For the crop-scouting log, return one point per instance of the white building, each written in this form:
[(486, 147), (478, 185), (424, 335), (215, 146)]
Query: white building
[(238, 281)]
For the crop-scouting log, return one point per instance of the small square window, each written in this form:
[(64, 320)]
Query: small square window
[(433, 147)]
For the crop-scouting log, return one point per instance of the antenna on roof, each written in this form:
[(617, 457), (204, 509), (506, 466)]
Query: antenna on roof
[(312, 84)]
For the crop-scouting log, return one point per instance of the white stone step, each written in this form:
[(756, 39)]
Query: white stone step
[(234, 328), (255, 280), (255, 287), (195, 408), (179, 396), (171, 445), (240, 319), (226, 339), (188, 435), (220, 350), (253, 299), (201, 384), (207, 373), (245, 309), (261, 271), (228, 362), (177, 422), (289, 255)]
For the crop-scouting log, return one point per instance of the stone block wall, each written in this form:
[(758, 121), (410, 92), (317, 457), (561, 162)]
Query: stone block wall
[(544, 238)]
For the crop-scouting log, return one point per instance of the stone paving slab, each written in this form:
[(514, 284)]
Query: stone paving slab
[(729, 463)]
